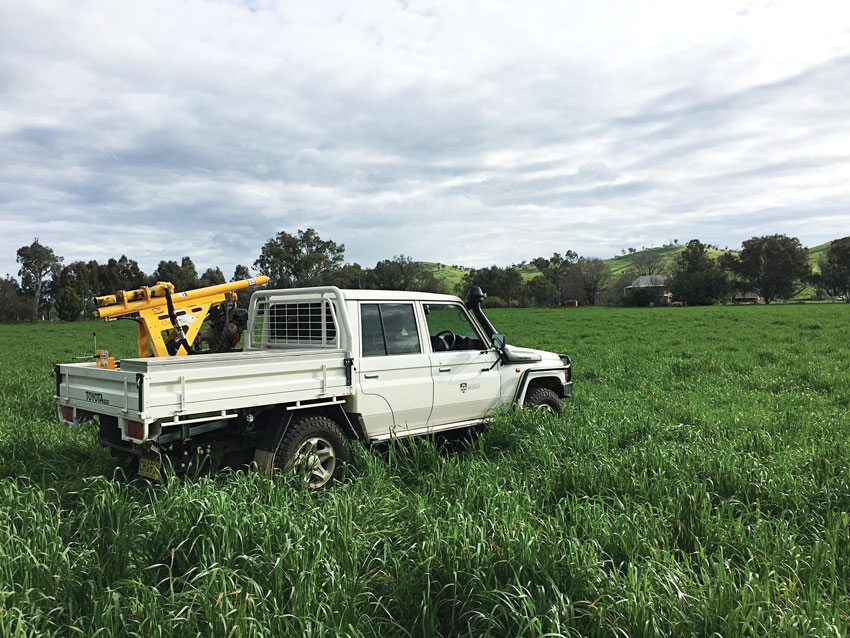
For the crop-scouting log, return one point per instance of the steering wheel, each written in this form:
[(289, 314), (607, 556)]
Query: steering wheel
[(448, 337)]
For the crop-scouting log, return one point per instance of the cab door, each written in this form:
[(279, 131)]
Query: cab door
[(396, 386), (467, 383)]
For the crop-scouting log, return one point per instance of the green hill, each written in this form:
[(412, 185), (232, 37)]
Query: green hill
[(528, 271), (452, 275), (622, 263), (815, 254)]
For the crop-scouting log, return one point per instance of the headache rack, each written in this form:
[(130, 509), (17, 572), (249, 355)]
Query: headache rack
[(298, 319)]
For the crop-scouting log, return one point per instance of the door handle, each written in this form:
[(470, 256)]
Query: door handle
[(371, 376), (445, 369)]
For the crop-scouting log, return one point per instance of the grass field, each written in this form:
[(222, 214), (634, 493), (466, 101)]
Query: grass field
[(697, 485)]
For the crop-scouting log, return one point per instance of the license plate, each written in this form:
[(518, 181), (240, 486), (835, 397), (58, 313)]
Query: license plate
[(149, 468)]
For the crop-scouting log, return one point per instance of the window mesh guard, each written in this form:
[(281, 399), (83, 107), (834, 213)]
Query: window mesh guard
[(291, 323)]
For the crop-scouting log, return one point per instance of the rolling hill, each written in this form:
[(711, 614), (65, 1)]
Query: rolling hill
[(453, 275), (622, 263), (815, 254)]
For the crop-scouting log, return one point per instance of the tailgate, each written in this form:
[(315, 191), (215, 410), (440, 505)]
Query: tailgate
[(86, 389)]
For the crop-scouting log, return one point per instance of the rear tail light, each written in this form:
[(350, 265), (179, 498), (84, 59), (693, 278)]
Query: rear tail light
[(67, 413), (135, 430)]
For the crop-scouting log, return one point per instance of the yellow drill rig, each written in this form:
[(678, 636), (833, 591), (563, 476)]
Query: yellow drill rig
[(169, 323)]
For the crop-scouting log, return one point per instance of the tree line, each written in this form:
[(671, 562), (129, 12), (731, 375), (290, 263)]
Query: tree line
[(770, 267), (773, 267)]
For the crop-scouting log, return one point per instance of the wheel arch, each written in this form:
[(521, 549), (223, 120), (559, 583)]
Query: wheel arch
[(545, 378), (276, 421)]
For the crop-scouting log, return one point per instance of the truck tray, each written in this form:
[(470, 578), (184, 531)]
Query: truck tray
[(159, 388)]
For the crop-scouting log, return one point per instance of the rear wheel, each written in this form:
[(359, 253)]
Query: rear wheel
[(545, 400), (315, 448)]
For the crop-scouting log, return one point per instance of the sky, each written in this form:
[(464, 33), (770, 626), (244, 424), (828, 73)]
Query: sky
[(471, 133)]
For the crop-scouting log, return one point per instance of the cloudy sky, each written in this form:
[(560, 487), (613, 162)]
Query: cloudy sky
[(461, 132)]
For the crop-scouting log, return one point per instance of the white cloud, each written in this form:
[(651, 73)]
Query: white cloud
[(468, 133)]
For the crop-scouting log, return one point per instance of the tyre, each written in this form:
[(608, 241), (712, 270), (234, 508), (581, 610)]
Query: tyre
[(315, 448), (545, 400)]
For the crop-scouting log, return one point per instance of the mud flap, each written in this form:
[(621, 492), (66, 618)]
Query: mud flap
[(269, 442)]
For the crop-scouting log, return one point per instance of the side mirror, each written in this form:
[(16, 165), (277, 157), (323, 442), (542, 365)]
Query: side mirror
[(498, 341)]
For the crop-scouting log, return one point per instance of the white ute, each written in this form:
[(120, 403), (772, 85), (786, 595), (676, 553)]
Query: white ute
[(320, 367)]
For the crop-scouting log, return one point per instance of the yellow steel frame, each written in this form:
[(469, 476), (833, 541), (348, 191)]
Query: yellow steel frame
[(150, 308), (153, 323)]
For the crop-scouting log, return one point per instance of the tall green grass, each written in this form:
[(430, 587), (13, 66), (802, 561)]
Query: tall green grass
[(697, 485)]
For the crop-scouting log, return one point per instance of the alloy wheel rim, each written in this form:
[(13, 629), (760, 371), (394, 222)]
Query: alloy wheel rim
[(315, 461)]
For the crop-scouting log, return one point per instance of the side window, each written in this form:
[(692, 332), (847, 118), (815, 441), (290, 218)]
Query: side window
[(388, 328), (450, 328), (400, 331), (372, 335)]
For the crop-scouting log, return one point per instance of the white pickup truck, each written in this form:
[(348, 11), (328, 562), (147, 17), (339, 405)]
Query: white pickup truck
[(320, 367)]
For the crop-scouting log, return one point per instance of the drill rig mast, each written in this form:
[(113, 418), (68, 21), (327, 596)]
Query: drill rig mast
[(169, 323)]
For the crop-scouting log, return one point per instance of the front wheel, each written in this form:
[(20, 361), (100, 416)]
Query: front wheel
[(545, 400), (314, 448)]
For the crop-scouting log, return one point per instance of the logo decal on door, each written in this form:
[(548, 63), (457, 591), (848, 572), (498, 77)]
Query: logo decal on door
[(469, 386)]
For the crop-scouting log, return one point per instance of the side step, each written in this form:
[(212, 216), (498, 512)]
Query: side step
[(428, 429)]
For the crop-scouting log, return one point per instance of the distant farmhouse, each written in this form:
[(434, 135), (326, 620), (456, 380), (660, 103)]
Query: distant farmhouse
[(650, 290), (747, 297)]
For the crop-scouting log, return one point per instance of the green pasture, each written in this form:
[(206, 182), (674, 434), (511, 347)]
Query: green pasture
[(698, 484)]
